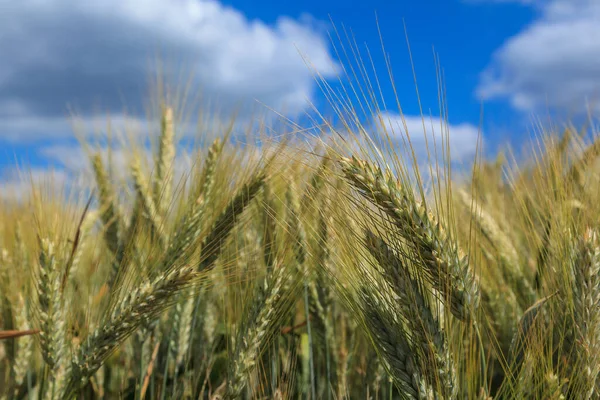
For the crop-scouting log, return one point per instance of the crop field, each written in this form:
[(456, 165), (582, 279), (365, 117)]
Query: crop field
[(323, 263)]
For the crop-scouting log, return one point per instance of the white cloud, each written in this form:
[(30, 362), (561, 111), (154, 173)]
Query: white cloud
[(98, 53), (70, 171), (555, 61), (40, 127), (16, 184), (391, 149), (462, 138), (74, 161)]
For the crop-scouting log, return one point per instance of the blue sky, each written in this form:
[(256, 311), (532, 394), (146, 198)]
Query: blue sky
[(516, 58)]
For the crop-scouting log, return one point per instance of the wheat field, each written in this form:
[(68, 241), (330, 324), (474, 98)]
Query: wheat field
[(324, 266)]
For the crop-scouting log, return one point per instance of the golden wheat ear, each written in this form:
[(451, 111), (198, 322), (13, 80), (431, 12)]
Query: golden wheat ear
[(442, 260)]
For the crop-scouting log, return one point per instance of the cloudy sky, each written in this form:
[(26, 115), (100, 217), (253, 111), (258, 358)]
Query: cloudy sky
[(516, 58)]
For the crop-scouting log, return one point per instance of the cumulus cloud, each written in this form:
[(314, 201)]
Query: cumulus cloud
[(99, 53), (71, 170), (555, 61), (96, 56), (22, 128), (74, 161), (461, 138), (16, 184)]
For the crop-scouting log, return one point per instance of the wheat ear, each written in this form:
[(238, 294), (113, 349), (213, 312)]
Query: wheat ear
[(520, 339), (51, 318), (144, 194), (509, 257), (381, 319), (587, 313), (23, 347), (109, 213), (163, 177), (212, 244), (259, 326), (428, 340), (185, 235), (139, 306), (51, 315), (442, 259), (189, 228)]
